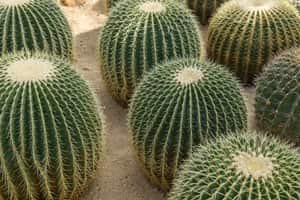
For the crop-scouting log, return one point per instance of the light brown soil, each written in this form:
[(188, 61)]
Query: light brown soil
[(120, 177)]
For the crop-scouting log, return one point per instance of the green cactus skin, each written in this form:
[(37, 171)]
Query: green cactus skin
[(140, 34), (240, 166), (34, 25), (296, 3), (245, 34), (277, 97), (177, 106), (205, 9), (109, 4), (50, 130)]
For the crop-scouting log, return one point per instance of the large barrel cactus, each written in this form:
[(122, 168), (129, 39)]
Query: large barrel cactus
[(50, 129), (205, 9), (241, 166), (139, 34), (245, 34), (34, 25), (277, 100), (179, 105)]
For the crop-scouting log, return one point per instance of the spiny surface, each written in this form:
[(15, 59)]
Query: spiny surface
[(140, 34), (245, 35), (50, 130), (240, 166), (205, 9), (34, 25), (296, 3), (13, 2), (277, 104), (169, 116)]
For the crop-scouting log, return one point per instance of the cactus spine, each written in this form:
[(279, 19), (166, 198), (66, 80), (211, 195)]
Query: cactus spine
[(240, 166), (244, 35), (50, 131), (34, 25), (205, 9), (177, 106), (139, 34), (277, 97)]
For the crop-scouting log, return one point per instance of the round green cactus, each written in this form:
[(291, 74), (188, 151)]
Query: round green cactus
[(205, 9), (177, 106), (50, 129), (240, 166), (34, 25), (277, 98), (245, 34), (140, 34)]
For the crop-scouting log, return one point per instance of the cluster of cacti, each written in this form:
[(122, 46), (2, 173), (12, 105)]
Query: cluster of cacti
[(244, 35), (140, 34), (205, 9), (34, 25), (277, 96), (51, 130), (177, 106), (241, 166)]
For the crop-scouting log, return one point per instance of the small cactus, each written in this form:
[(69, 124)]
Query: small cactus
[(177, 106), (205, 9), (140, 34), (245, 34), (34, 25), (50, 129), (277, 98), (240, 166)]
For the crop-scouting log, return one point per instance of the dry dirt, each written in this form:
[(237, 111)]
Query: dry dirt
[(119, 177)]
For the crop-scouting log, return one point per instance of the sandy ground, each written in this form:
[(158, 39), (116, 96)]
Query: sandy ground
[(119, 177)]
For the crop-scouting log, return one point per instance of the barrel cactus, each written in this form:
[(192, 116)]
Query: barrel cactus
[(34, 25), (140, 34), (50, 132), (240, 166), (277, 100), (245, 34), (205, 9), (177, 106)]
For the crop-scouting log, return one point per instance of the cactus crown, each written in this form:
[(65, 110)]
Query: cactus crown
[(257, 5), (189, 75), (152, 7), (256, 166), (13, 2), (30, 70)]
